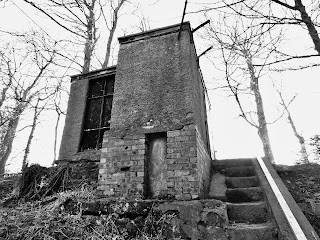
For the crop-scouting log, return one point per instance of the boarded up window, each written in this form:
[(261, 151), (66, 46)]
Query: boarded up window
[(98, 112)]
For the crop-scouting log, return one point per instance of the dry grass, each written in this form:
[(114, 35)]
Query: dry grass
[(59, 216)]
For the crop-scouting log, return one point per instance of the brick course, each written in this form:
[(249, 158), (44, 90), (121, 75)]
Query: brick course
[(121, 172), (187, 165)]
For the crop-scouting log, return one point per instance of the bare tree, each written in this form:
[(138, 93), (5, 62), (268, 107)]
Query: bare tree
[(114, 22), (303, 150), (23, 69), (241, 46), (59, 112), (80, 18), (279, 16), (31, 135)]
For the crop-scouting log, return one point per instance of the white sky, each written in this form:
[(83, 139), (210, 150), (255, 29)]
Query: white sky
[(231, 136)]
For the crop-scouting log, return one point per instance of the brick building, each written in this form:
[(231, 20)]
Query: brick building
[(144, 120)]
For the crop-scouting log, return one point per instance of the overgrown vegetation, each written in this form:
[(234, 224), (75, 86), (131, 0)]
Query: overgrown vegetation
[(303, 182), (315, 143), (54, 221), (47, 204)]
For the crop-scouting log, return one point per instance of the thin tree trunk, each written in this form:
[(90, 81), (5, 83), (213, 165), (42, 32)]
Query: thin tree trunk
[(6, 147), (310, 25), (313, 33), (56, 137), (303, 150), (112, 30), (262, 123), (90, 41), (33, 128)]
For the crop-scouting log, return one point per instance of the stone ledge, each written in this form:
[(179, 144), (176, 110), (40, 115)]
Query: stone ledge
[(196, 219)]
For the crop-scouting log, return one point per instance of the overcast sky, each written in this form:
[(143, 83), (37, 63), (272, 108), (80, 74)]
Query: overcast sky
[(231, 136)]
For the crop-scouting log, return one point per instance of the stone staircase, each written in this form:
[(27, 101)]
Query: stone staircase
[(235, 182)]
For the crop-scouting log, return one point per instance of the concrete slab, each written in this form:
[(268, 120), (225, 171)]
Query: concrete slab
[(241, 195), (242, 182), (253, 212), (264, 231), (218, 187)]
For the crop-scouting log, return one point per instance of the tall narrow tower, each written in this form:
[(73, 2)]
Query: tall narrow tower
[(143, 121), (158, 140)]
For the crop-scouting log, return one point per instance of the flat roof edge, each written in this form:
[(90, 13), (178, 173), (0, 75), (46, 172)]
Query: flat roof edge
[(95, 73), (154, 32)]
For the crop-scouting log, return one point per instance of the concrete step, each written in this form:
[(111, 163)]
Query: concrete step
[(255, 212), (242, 182), (264, 231), (245, 171), (222, 164), (240, 195), (218, 187)]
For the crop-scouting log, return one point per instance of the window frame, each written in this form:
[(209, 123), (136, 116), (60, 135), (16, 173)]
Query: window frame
[(106, 97)]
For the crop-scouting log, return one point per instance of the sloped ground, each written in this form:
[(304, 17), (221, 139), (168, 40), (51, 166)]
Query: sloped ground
[(77, 214), (303, 182), (60, 216), (54, 217)]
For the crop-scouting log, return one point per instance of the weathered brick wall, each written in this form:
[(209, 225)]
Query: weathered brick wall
[(203, 165), (182, 163), (122, 166)]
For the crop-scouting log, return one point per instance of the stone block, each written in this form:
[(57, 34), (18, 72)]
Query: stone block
[(174, 145), (137, 147), (141, 151), (103, 160), (174, 155), (182, 139), (174, 166), (179, 173), (173, 133), (119, 143), (140, 174), (170, 150)]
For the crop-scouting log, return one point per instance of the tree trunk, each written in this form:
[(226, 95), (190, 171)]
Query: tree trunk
[(56, 136), (90, 40), (303, 150), (262, 123), (33, 128), (310, 25), (112, 30), (6, 147)]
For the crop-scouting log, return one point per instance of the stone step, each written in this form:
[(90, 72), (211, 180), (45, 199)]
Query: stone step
[(245, 171), (218, 187), (222, 164), (240, 195), (255, 212), (242, 182), (264, 231)]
